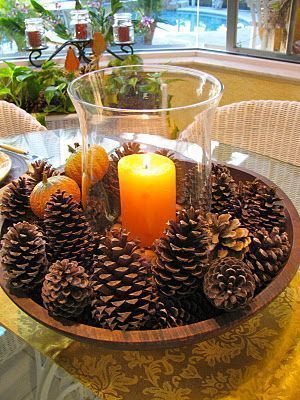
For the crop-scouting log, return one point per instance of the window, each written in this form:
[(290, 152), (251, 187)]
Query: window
[(266, 28)]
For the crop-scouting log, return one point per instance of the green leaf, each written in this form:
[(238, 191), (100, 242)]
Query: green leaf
[(5, 91), (10, 65), (41, 10), (61, 87), (133, 81), (50, 92), (21, 78), (11, 25), (78, 5), (6, 73), (48, 64)]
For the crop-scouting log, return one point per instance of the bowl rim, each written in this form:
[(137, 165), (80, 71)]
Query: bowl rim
[(189, 71), (186, 334)]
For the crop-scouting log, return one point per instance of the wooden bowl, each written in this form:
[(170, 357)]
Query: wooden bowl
[(188, 334)]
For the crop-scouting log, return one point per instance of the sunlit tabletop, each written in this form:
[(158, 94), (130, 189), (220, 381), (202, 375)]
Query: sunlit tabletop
[(259, 359)]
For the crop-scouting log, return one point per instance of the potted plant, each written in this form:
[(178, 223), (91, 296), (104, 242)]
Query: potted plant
[(131, 88), (149, 15), (40, 92)]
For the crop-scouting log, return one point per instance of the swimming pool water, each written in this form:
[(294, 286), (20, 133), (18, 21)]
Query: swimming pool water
[(208, 21)]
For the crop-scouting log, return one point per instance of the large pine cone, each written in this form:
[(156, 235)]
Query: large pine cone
[(262, 207), (123, 296), (24, 257), (68, 233), (268, 254), (224, 191), (229, 284), (182, 255), (15, 200), (228, 238), (66, 289), (41, 167)]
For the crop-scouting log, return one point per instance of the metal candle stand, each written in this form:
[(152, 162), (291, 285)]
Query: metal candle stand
[(81, 45)]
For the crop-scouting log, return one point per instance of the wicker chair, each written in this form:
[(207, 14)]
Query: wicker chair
[(267, 127), (14, 120)]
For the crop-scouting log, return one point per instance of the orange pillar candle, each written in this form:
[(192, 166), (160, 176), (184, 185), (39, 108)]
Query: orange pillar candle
[(148, 195)]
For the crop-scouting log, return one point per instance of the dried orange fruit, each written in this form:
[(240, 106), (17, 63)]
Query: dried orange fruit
[(97, 166), (44, 190)]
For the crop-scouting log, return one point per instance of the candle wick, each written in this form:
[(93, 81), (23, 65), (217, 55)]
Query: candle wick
[(146, 166)]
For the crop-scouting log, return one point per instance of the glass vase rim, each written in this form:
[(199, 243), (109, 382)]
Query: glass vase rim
[(188, 71)]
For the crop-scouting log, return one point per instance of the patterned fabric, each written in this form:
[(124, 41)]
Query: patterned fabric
[(259, 359)]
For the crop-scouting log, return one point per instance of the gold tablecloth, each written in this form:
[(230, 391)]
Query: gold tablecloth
[(258, 360)]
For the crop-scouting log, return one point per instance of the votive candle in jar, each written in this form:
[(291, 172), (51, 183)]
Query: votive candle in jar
[(81, 24), (123, 32), (34, 32)]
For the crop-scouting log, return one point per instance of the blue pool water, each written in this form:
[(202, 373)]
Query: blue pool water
[(209, 21)]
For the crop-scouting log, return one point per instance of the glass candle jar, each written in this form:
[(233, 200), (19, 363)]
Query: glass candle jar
[(123, 29), (154, 122), (81, 24), (34, 32)]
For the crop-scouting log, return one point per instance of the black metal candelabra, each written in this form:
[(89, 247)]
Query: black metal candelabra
[(81, 45)]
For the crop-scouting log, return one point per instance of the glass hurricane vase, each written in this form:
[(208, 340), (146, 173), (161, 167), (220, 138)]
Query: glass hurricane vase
[(154, 122)]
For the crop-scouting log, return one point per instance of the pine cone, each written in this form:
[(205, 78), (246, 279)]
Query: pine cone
[(24, 257), (268, 254), (66, 289), (111, 178), (261, 207), (40, 103), (41, 167), (228, 238), (172, 311), (184, 177), (223, 191), (85, 69), (15, 200), (122, 288), (182, 255), (229, 284), (68, 233)]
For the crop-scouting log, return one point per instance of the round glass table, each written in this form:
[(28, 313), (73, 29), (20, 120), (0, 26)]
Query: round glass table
[(259, 359)]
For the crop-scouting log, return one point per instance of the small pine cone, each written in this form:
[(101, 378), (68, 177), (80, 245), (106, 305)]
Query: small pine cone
[(15, 200), (126, 149), (66, 289), (85, 69), (24, 257), (268, 254), (172, 311), (69, 235), (40, 103), (185, 174), (229, 284), (41, 167), (223, 191), (123, 295), (262, 207), (182, 255), (111, 178), (228, 238)]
